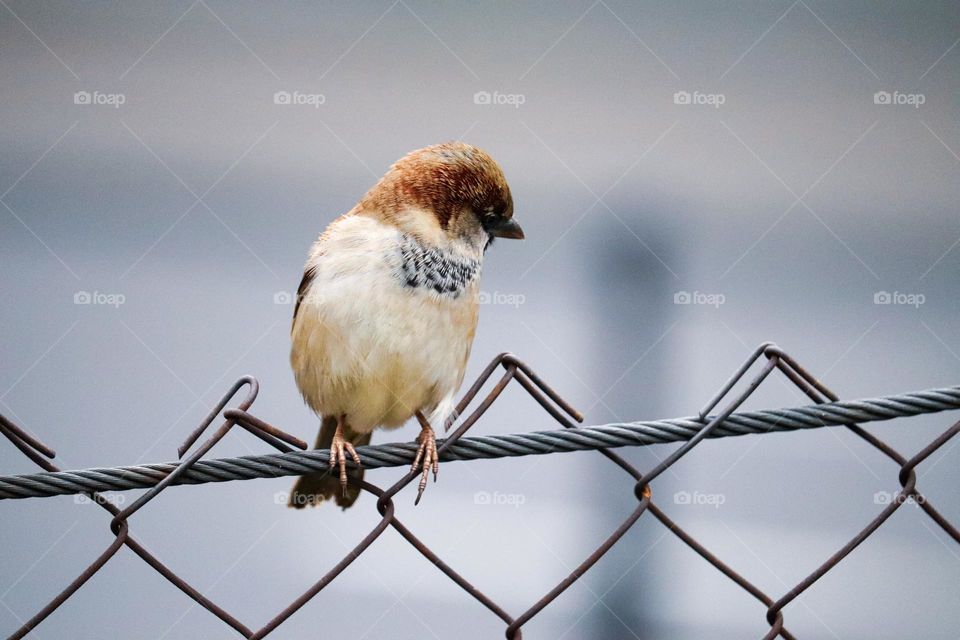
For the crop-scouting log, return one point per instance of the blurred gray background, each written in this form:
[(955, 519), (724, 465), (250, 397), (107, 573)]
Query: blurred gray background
[(789, 191)]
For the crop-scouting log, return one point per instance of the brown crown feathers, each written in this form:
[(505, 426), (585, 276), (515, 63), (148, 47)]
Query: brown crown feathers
[(447, 179)]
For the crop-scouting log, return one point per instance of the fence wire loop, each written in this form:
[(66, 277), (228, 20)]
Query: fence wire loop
[(193, 469)]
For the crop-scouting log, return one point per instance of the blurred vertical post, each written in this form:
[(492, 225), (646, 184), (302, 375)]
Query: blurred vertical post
[(631, 293)]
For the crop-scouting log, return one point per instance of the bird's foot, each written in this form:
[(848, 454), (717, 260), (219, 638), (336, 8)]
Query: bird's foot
[(339, 449), (427, 455)]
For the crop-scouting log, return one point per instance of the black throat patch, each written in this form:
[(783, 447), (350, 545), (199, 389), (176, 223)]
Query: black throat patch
[(445, 272)]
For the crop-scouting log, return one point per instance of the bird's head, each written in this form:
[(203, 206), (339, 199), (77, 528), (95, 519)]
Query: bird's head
[(450, 192)]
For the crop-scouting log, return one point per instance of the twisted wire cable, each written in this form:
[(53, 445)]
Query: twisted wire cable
[(485, 447)]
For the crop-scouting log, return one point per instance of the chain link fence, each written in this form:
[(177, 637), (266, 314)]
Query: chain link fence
[(826, 411)]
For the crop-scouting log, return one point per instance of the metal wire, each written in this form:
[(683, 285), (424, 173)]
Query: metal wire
[(827, 411), (483, 447)]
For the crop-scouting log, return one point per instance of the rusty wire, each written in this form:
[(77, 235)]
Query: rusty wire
[(708, 425)]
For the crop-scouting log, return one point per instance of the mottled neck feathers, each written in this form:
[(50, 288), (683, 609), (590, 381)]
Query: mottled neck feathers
[(446, 272)]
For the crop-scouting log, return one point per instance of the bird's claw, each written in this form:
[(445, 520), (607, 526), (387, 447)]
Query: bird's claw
[(427, 454), (339, 449)]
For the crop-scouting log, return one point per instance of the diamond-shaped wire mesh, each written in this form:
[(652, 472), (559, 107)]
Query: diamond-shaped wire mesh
[(158, 477)]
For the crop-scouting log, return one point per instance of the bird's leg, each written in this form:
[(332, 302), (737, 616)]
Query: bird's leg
[(339, 447), (427, 454)]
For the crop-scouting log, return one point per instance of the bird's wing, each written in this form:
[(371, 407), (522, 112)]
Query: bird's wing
[(308, 275)]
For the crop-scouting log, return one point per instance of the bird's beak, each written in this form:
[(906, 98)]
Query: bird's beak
[(508, 228)]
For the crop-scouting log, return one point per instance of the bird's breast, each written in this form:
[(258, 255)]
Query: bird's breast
[(385, 326)]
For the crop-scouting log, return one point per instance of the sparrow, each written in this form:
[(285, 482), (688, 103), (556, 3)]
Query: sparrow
[(387, 309)]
